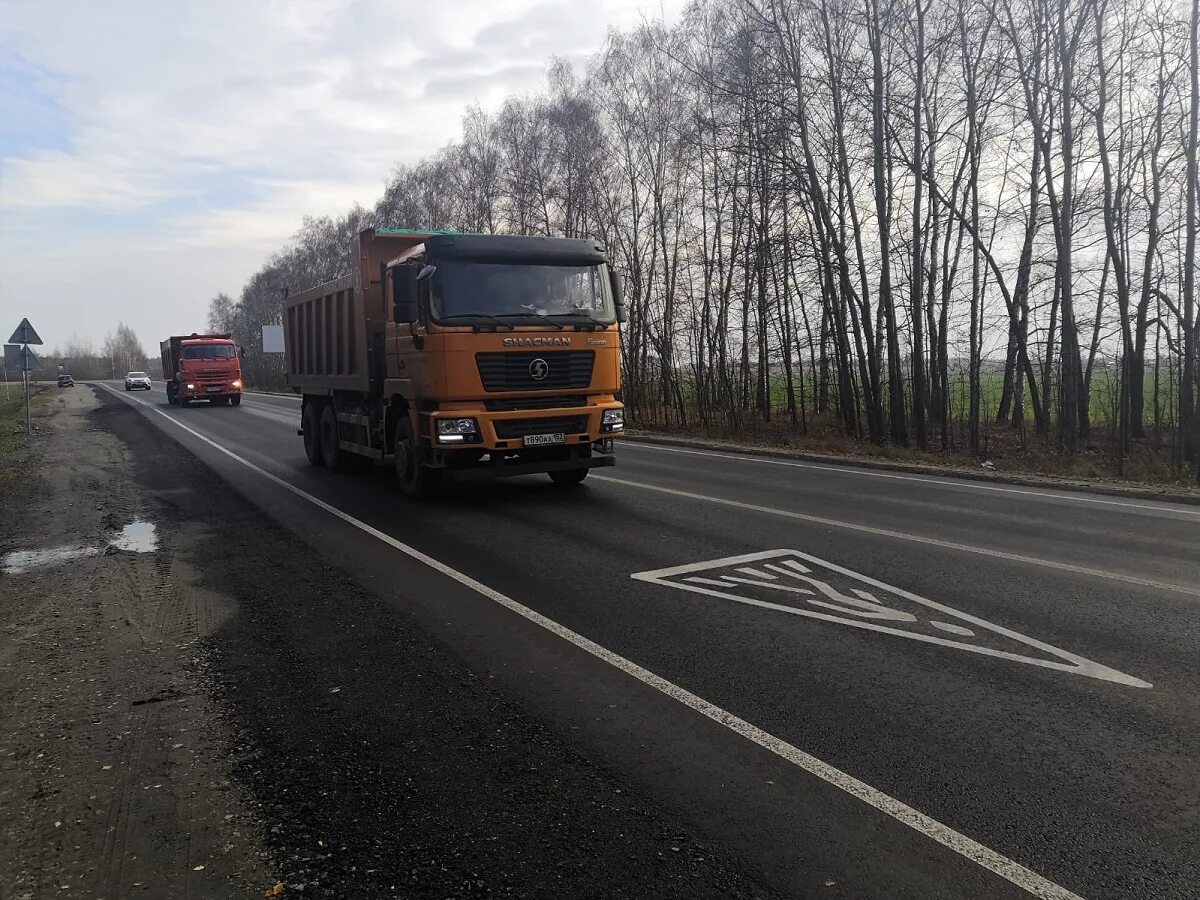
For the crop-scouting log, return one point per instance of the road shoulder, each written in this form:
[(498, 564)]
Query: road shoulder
[(115, 777)]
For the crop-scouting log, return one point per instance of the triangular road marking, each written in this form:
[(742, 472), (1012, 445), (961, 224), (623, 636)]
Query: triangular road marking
[(796, 583)]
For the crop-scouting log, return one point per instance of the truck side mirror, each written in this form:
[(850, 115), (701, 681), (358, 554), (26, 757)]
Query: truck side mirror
[(404, 295), (618, 295)]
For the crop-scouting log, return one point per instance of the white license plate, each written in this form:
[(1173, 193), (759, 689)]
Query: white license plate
[(213, 390), (541, 440)]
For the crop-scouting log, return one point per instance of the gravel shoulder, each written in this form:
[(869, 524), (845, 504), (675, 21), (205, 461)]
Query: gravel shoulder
[(115, 777), (233, 701)]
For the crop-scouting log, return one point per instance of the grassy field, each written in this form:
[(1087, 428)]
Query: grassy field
[(1152, 460), (13, 444), (1102, 400)]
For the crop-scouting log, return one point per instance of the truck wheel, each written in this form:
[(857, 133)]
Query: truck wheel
[(311, 425), (569, 476), (416, 481), (235, 400), (333, 455)]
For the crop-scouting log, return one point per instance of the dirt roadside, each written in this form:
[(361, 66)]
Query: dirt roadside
[(115, 776), (185, 707)]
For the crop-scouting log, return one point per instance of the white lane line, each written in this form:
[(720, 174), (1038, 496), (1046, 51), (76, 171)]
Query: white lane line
[(905, 536), (281, 416), (927, 479), (286, 400), (264, 410), (1001, 865)]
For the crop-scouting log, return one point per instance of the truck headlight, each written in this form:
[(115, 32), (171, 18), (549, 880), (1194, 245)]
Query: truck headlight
[(191, 387), (612, 420), (457, 431), (237, 383)]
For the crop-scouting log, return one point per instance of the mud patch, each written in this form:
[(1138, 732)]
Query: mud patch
[(136, 537), (21, 562)]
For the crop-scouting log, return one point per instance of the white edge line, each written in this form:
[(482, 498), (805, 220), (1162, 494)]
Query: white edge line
[(928, 479), (989, 859), (905, 536)]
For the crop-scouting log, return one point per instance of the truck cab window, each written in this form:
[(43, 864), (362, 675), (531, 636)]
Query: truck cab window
[(468, 288)]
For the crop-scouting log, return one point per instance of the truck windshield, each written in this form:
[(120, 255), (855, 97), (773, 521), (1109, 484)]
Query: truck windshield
[(209, 351), (513, 291)]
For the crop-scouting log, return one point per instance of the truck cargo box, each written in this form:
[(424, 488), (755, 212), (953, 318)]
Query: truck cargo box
[(334, 333)]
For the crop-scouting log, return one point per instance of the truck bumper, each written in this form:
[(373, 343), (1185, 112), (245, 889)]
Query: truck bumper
[(505, 432), (199, 395), (476, 466), (202, 392), (502, 469)]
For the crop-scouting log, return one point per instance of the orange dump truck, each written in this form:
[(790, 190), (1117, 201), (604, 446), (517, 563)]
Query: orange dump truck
[(460, 357), (201, 367)]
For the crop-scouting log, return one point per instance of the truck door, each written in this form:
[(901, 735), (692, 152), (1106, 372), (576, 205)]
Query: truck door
[(406, 362)]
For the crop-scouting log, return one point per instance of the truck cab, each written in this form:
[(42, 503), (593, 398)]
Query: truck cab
[(515, 342), (202, 367)]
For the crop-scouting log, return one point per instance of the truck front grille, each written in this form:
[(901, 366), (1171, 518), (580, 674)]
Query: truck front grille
[(563, 370), (507, 429), (512, 404)]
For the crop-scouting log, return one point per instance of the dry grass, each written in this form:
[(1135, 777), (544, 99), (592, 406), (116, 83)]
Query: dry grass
[(1151, 461), (15, 449)]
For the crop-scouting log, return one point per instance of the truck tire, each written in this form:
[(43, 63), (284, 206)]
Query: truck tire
[(415, 480), (235, 400), (333, 455), (569, 477), (311, 426)]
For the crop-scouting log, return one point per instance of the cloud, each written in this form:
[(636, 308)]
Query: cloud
[(211, 127)]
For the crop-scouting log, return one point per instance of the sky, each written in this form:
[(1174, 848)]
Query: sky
[(153, 154)]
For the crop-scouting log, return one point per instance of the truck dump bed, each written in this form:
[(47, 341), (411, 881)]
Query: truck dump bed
[(334, 333)]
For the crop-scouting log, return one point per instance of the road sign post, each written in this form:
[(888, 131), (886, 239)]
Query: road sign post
[(26, 335)]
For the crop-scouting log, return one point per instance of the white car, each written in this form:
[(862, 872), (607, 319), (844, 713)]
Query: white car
[(137, 381)]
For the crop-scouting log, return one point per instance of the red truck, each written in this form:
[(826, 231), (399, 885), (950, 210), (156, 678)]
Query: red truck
[(202, 367)]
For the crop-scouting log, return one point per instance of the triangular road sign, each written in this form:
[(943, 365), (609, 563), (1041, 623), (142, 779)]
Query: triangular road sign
[(25, 334)]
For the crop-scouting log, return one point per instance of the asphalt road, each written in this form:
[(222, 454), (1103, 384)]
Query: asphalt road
[(856, 683)]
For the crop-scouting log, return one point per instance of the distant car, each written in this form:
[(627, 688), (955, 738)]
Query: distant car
[(137, 381), (66, 381)]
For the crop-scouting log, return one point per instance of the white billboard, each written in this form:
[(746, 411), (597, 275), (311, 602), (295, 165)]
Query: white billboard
[(272, 338)]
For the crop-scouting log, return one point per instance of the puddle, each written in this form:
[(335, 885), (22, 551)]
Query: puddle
[(21, 561), (136, 537)]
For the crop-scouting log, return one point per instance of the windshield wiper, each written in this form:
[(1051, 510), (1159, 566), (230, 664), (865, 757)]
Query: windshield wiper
[(495, 322), (529, 315), (581, 314)]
